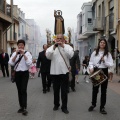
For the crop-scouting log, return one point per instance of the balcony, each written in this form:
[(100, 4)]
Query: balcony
[(98, 24), (87, 30), (81, 37), (25, 37), (14, 40), (109, 22), (5, 14), (15, 36)]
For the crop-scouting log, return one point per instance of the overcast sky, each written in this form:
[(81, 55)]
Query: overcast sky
[(43, 12)]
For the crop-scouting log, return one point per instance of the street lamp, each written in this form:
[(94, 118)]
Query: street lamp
[(48, 35), (69, 34)]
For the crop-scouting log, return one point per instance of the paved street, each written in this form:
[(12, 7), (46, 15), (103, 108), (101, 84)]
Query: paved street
[(40, 106)]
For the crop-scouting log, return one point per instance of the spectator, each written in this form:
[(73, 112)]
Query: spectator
[(4, 58)]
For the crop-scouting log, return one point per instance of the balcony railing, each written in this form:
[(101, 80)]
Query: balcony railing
[(15, 36), (109, 22), (98, 24), (25, 37), (5, 7), (8, 10)]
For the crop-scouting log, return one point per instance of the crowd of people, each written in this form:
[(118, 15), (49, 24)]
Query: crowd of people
[(54, 64)]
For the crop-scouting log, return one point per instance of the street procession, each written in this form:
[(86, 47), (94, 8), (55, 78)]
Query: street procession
[(59, 60)]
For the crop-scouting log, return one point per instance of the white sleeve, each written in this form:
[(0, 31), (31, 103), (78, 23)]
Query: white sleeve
[(49, 52), (29, 60), (91, 64), (68, 51), (10, 60), (109, 61)]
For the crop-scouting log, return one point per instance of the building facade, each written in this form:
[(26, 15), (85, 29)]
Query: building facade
[(12, 33), (85, 34), (6, 17)]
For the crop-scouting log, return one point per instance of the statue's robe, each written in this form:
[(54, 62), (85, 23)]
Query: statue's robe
[(59, 25)]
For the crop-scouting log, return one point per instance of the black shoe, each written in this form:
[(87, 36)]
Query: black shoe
[(25, 112), (102, 111), (65, 111), (55, 108), (12, 80), (119, 81), (68, 91), (48, 89), (73, 89), (91, 108), (44, 92), (20, 110)]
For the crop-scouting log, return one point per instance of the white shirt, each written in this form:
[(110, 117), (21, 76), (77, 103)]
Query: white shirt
[(95, 59), (58, 65), (24, 64)]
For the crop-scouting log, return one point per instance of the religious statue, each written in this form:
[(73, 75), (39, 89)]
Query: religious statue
[(59, 22)]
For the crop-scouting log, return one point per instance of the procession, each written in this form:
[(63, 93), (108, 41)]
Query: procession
[(67, 75)]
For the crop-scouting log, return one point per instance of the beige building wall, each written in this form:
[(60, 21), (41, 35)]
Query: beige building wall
[(107, 13), (118, 29), (99, 17), (5, 22), (13, 31), (107, 18)]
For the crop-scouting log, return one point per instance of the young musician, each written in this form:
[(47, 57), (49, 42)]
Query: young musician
[(22, 73), (102, 59)]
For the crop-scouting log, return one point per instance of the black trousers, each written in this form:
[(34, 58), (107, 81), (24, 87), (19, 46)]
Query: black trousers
[(39, 73), (103, 91), (46, 80), (3, 68), (72, 84), (21, 79), (60, 82)]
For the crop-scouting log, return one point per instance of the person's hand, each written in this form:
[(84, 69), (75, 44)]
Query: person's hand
[(61, 44), (22, 51), (37, 69), (91, 70), (55, 45), (18, 51), (102, 59)]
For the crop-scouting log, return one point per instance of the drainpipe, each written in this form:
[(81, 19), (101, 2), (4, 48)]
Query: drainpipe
[(12, 22), (116, 41), (96, 19)]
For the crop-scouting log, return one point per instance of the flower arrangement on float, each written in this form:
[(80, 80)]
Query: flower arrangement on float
[(54, 37)]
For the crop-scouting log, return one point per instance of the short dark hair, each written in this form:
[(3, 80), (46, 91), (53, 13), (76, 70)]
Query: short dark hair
[(44, 45), (21, 41), (71, 45)]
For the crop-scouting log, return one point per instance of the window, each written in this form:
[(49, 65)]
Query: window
[(99, 11), (111, 4), (89, 17), (83, 19), (89, 20)]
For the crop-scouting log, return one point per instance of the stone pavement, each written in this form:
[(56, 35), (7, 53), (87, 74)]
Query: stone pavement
[(40, 106)]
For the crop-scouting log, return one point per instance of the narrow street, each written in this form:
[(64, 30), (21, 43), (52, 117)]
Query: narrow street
[(40, 106)]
